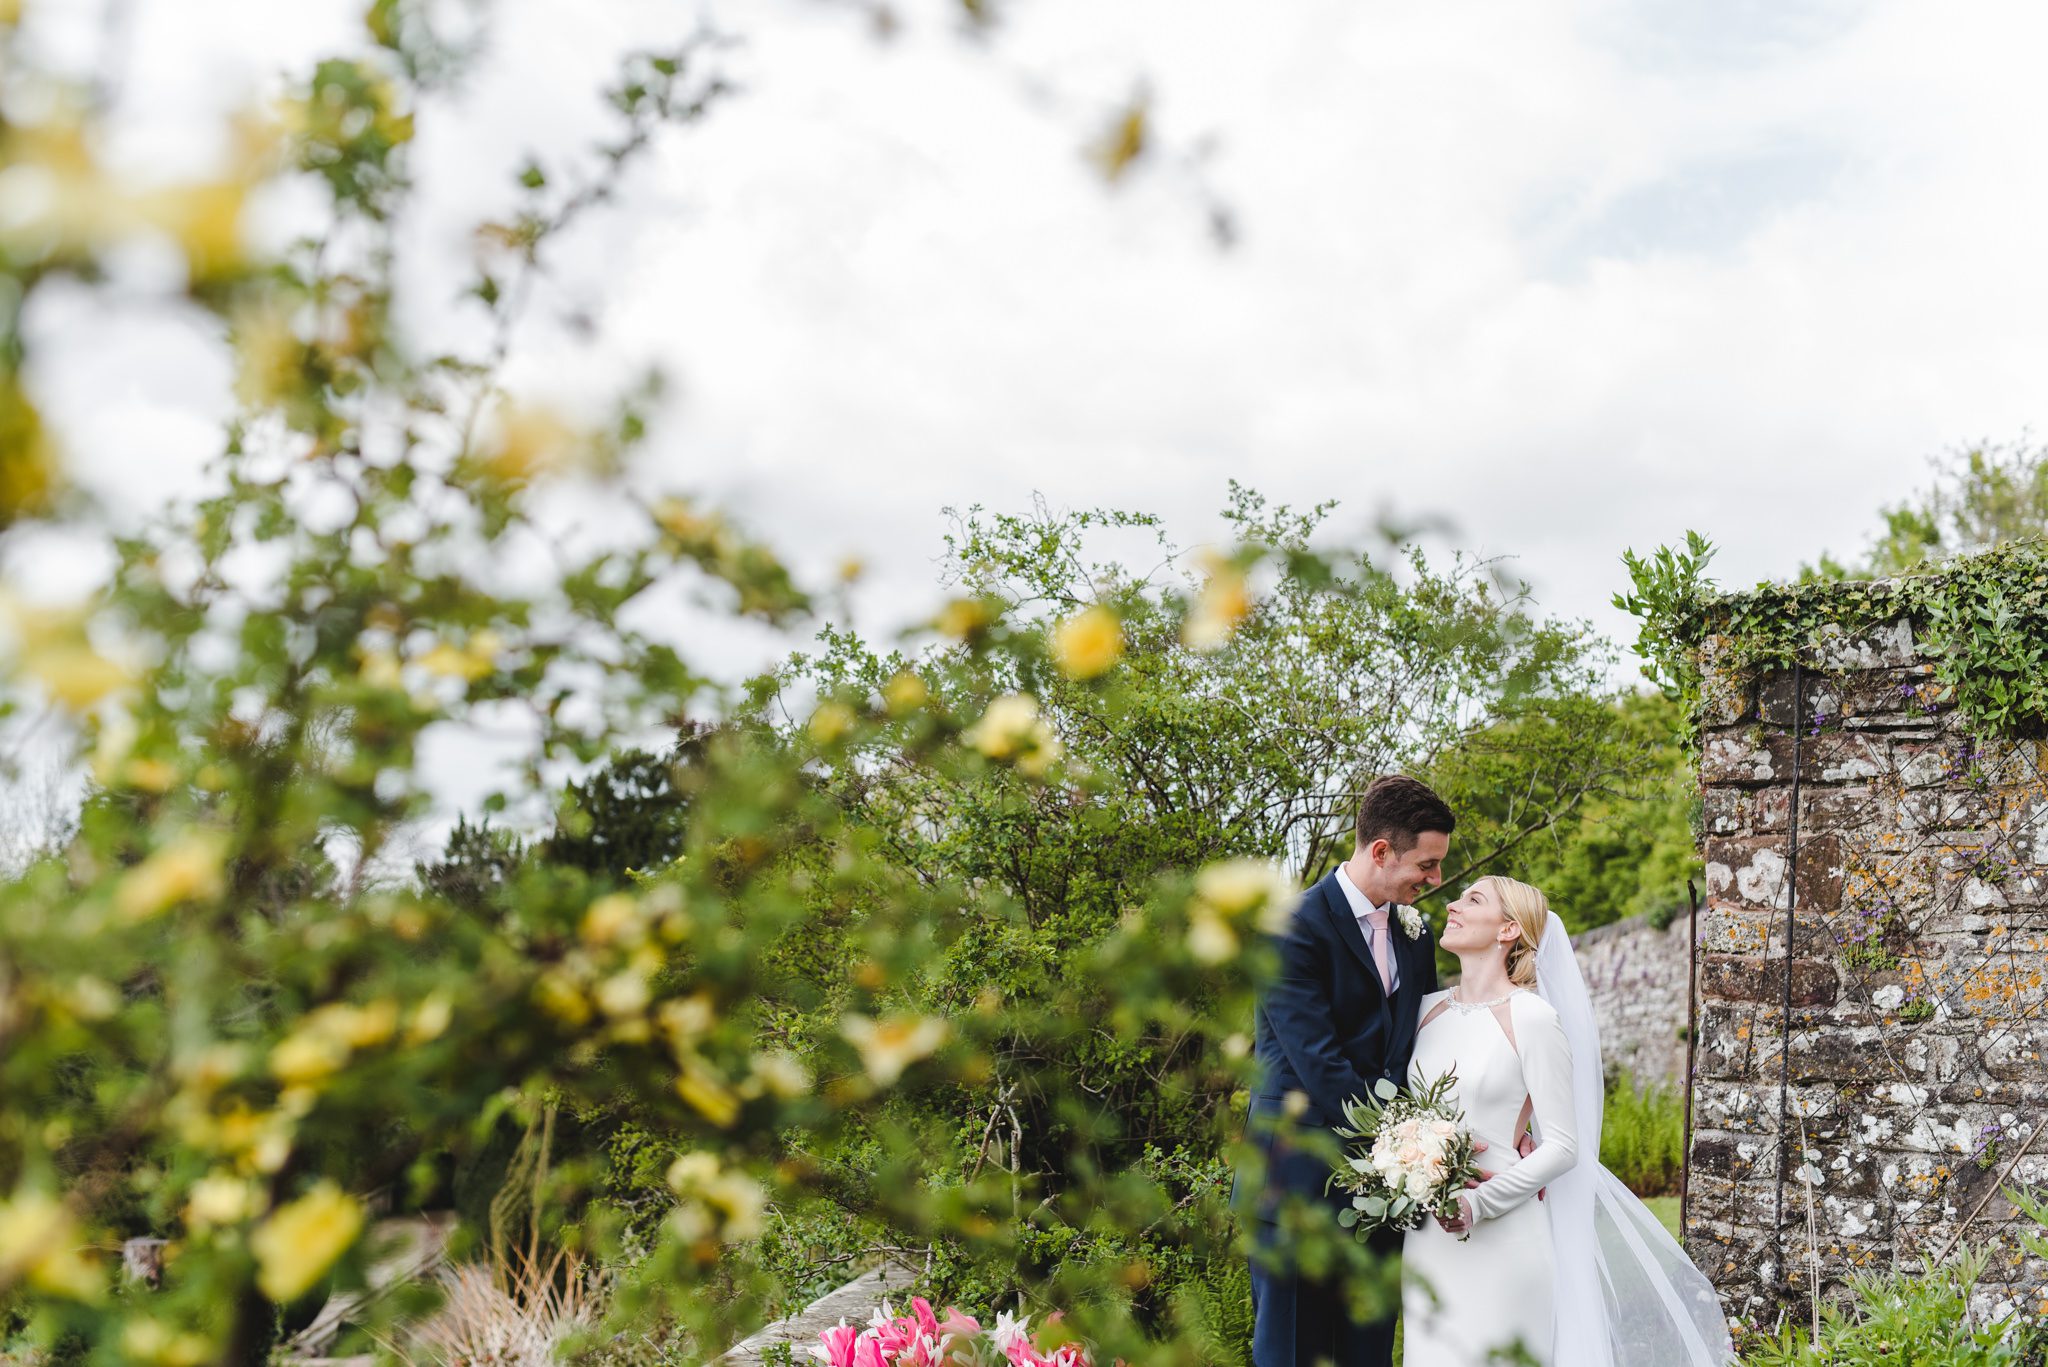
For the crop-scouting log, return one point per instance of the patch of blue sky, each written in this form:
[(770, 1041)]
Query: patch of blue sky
[(1710, 206)]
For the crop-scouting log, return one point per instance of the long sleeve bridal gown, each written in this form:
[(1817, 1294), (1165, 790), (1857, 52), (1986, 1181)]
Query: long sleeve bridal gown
[(1461, 1300)]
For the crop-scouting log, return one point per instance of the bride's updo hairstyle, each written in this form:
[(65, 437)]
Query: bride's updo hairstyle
[(1526, 906)]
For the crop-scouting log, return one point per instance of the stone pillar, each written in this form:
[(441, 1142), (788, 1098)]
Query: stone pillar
[(1913, 872)]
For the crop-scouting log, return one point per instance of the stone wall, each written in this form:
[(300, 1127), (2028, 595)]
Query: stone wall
[(1635, 974), (1904, 861)]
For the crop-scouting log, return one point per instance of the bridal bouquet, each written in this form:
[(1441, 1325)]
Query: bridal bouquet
[(1408, 1157)]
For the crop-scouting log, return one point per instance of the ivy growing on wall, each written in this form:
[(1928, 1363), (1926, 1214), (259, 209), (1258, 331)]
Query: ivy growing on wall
[(1981, 622)]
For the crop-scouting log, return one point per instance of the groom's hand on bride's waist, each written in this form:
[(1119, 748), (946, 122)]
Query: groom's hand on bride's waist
[(1525, 1146)]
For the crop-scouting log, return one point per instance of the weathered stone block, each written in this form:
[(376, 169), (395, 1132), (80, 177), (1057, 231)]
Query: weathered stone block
[(1843, 757), (1747, 978), (1922, 764), (1886, 647), (1946, 809), (1745, 755), (1752, 871), (1824, 811)]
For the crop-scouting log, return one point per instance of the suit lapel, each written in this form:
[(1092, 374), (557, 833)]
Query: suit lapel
[(1407, 990), (1345, 925)]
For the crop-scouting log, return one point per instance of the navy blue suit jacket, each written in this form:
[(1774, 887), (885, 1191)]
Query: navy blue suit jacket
[(1327, 1029)]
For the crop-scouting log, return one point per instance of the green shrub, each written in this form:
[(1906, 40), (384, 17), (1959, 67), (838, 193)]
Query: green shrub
[(1642, 1135), (1922, 1317)]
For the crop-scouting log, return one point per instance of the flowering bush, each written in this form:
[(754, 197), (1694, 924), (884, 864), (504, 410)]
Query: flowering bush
[(1409, 1157), (923, 1339)]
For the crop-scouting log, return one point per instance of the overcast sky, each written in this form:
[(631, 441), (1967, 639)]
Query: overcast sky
[(1576, 276)]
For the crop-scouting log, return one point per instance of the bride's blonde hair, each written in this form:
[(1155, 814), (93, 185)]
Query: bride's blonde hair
[(1529, 910)]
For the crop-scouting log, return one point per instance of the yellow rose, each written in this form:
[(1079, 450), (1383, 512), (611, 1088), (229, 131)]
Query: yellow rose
[(1088, 643), (42, 1243), (430, 1019), (1210, 939), (533, 443), (905, 693), (613, 919), (708, 1096), (964, 618), (467, 663), (1012, 730), (1237, 888), (296, 1245), (887, 1047), (1224, 603), (559, 996), (221, 1199), (152, 1341), (185, 869), (29, 461), (623, 994), (831, 721), (308, 1056), (782, 1074)]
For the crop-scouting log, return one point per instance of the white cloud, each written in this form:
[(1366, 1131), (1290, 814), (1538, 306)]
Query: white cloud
[(1580, 276)]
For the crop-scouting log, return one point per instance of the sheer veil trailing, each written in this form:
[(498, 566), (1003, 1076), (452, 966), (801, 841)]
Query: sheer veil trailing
[(1627, 1296)]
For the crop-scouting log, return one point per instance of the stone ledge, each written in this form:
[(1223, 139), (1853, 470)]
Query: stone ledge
[(853, 1302)]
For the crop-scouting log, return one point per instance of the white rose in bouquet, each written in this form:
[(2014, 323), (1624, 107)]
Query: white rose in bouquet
[(1408, 1157)]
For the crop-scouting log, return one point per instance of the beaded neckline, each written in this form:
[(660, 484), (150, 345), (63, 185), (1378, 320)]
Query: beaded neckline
[(1467, 1008)]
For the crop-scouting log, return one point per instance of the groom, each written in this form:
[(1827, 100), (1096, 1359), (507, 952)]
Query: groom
[(1340, 1016)]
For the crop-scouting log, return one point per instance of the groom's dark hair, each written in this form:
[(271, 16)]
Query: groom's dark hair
[(1398, 809)]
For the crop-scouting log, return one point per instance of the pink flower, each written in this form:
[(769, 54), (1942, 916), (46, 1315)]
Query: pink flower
[(926, 1321), (958, 1321), (867, 1352), (838, 1345), (1022, 1354)]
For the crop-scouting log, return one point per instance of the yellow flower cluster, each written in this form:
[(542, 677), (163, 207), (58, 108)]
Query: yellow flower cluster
[(888, 1047), (1225, 602), (186, 868), (29, 463), (301, 1240), (327, 1036), (470, 661), (221, 1198), (905, 692), (1088, 644), (42, 1244), (714, 1200), (831, 721), (1013, 732), (1231, 894), (52, 647), (528, 443), (154, 1342), (79, 210)]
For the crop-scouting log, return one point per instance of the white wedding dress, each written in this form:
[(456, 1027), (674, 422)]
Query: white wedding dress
[(1587, 1277), (1461, 1300)]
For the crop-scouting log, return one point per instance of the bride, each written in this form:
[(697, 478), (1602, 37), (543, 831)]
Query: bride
[(1572, 1268)]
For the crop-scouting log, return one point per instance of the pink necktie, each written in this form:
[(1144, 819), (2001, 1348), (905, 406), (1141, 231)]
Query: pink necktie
[(1382, 947)]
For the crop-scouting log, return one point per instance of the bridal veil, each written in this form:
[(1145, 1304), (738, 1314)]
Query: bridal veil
[(1627, 1295)]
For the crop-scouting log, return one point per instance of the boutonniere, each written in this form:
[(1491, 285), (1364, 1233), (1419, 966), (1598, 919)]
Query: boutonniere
[(1411, 922)]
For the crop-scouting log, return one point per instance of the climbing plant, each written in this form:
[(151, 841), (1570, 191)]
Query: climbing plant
[(1982, 621)]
